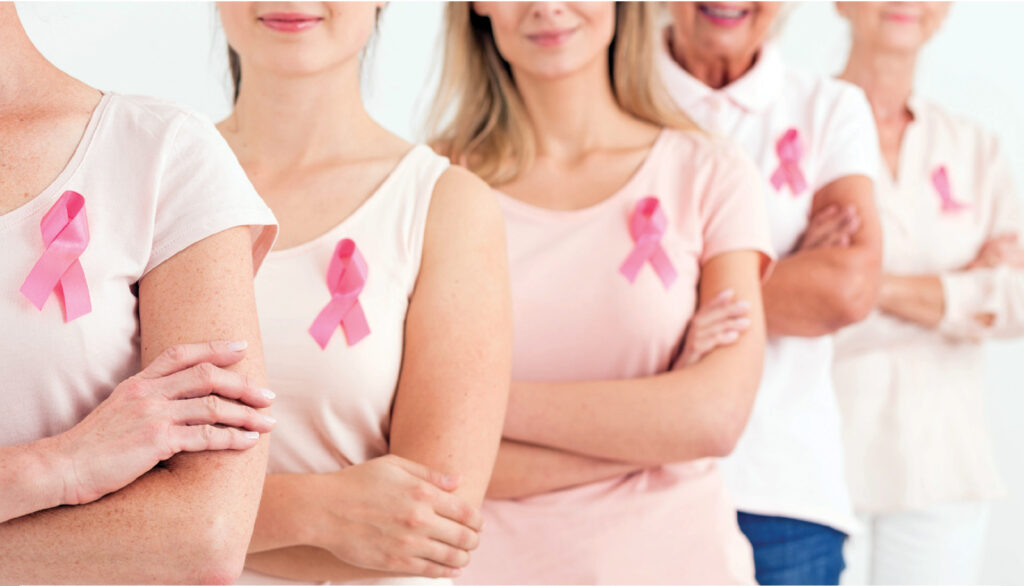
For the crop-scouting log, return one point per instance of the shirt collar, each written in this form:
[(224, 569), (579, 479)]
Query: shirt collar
[(756, 90)]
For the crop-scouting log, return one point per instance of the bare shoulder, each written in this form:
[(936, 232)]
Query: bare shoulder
[(462, 200)]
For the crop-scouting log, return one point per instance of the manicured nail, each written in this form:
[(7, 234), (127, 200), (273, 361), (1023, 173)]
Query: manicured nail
[(726, 294), (743, 322), (252, 435), (731, 336), (268, 393), (238, 346), (448, 479), (269, 419), (743, 304)]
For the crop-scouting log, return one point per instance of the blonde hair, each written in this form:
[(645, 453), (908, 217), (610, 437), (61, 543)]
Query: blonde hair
[(488, 128)]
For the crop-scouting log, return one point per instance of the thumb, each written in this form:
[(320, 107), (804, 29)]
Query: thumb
[(441, 480)]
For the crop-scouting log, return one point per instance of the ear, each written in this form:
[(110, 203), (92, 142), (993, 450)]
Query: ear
[(481, 8)]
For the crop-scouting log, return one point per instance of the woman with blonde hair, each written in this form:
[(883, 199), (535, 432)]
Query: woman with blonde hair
[(621, 218)]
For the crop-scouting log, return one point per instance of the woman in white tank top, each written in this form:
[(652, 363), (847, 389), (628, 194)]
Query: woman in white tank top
[(385, 310)]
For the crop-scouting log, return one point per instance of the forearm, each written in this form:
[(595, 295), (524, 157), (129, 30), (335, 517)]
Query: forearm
[(29, 479), (524, 470), (915, 298), (816, 292), (310, 564), (282, 520), (153, 530)]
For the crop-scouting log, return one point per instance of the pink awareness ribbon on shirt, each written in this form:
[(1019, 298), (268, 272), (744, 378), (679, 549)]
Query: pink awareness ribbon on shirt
[(647, 226), (65, 236), (940, 179), (790, 151), (346, 277)]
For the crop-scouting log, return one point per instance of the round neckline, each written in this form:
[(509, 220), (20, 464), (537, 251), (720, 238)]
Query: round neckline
[(52, 191), (542, 212), (333, 233)]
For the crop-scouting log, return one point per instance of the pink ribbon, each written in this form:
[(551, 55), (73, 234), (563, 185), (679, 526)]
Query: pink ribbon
[(65, 236), (346, 277), (790, 151), (647, 226), (940, 179)]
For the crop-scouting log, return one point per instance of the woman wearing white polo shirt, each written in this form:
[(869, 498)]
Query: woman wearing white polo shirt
[(814, 141), (910, 377)]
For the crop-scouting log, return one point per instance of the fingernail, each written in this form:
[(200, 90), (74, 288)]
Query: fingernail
[(725, 294), (269, 419), (744, 304), (456, 573), (238, 346), (268, 393), (252, 435), (732, 335), (743, 322), (448, 479)]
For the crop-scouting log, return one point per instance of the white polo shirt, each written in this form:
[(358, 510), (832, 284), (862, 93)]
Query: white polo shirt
[(789, 461)]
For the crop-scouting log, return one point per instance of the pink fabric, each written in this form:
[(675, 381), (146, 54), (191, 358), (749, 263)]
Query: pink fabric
[(940, 180), (155, 179), (790, 153), (346, 277), (65, 237), (576, 318), (647, 226)]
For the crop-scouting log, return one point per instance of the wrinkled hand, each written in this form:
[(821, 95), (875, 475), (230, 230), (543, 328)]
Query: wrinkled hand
[(831, 227), (719, 323), (1001, 250), (185, 401), (394, 515)]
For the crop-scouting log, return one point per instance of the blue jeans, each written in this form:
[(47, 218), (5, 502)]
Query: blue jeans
[(789, 551)]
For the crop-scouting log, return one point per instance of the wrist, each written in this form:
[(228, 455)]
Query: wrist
[(46, 473)]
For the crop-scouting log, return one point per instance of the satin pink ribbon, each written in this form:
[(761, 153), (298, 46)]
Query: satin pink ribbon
[(65, 237), (346, 277), (790, 151), (940, 179), (647, 226)]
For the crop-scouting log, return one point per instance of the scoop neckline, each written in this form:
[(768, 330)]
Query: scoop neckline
[(334, 232), (543, 213), (51, 192)]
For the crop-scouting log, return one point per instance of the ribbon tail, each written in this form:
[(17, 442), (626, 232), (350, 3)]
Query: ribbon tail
[(663, 267), (327, 321), (778, 179), (354, 324), (75, 290), (44, 276), (796, 180)]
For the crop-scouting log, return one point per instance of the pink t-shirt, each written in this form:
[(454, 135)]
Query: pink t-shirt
[(155, 179), (577, 318)]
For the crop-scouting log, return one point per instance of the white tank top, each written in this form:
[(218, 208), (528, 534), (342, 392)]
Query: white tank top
[(334, 404)]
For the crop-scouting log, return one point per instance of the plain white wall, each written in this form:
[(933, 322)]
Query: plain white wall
[(176, 51)]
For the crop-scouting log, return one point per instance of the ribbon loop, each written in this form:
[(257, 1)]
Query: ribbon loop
[(790, 151), (346, 277), (65, 232), (647, 226), (940, 179)]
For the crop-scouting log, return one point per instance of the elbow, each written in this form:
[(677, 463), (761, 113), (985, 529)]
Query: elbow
[(726, 425), (854, 299), (218, 555)]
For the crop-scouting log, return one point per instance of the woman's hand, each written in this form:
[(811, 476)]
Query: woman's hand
[(832, 227), (393, 515), (718, 323), (1001, 250), (184, 401)]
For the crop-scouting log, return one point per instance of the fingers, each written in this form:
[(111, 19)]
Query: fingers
[(205, 378), (439, 479), (444, 554), (429, 569), (455, 535), (454, 508), (201, 438), (183, 356), (832, 226), (212, 409)]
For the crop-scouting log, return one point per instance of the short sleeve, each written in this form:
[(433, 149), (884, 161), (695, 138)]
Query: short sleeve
[(733, 209), (202, 191), (848, 141)]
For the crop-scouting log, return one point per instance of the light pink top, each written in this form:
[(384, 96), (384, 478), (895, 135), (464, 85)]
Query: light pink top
[(156, 179), (333, 405), (577, 318), (912, 398), (789, 460)]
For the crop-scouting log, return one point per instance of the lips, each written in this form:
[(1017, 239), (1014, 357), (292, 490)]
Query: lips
[(724, 14), (551, 38), (289, 22)]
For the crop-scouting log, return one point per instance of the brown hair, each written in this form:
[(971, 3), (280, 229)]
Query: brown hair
[(478, 117)]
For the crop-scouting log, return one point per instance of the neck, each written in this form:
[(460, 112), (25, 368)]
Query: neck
[(573, 114), (294, 120), (714, 71), (24, 72), (887, 79)]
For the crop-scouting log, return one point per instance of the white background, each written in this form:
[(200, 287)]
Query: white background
[(176, 51)]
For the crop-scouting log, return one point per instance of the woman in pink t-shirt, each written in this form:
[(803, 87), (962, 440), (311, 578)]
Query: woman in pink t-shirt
[(384, 307), (622, 219), (127, 233)]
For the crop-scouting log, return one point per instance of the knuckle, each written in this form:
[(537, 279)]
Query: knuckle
[(421, 492), (212, 406), (176, 353), (207, 433), (205, 372), (416, 519)]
